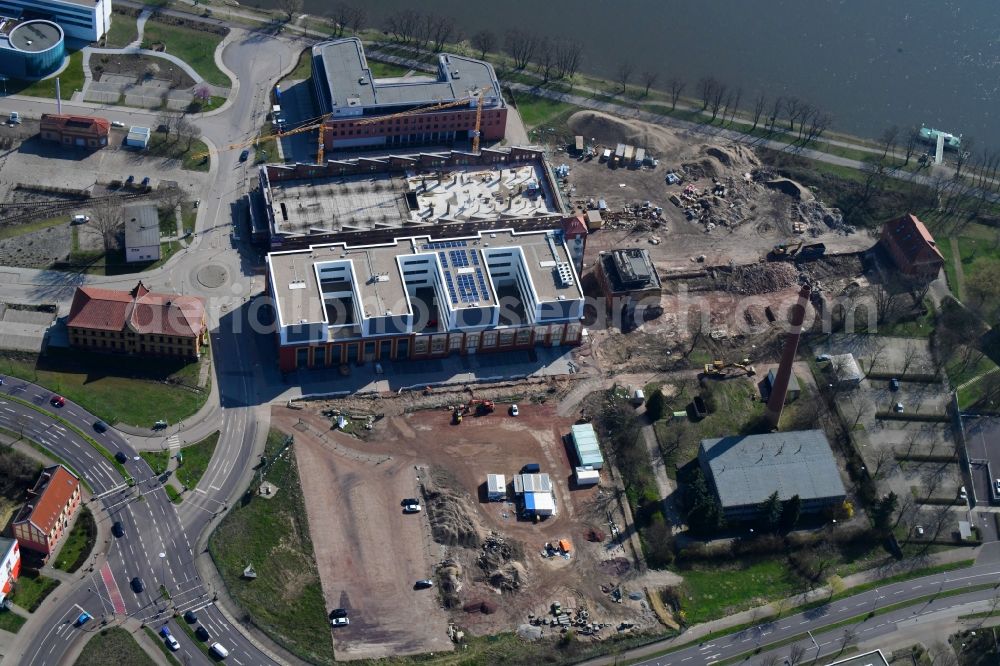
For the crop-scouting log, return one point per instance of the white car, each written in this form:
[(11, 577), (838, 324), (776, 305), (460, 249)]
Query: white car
[(920, 530), (998, 486), (172, 643), (411, 508), (963, 494), (339, 621), (15, 118), (514, 411), (117, 123)]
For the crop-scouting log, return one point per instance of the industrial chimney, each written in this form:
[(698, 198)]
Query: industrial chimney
[(776, 402)]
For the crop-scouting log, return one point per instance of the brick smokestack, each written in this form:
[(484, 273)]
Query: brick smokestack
[(776, 402)]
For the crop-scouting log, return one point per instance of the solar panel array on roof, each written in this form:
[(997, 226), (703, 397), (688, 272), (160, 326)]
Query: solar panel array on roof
[(467, 286)]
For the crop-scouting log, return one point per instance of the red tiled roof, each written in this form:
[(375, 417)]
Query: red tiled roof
[(52, 490), (574, 226), (144, 311), (912, 236), (101, 125)]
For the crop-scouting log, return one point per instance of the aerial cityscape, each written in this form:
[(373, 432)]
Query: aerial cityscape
[(424, 333)]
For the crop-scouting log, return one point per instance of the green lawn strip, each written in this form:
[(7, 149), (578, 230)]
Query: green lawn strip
[(194, 156), (123, 31), (186, 628), (108, 385), (71, 80), (537, 110), (189, 215), (273, 535), (714, 592), (80, 541), (157, 460), (856, 619), (113, 646), (172, 494), (303, 68), (977, 616), (195, 47), (31, 227), (90, 440), (11, 622), (155, 636), (31, 589), (195, 459), (385, 70)]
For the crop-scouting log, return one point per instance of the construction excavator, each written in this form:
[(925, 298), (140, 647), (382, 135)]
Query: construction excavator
[(481, 408), (721, 367), (784, 251)]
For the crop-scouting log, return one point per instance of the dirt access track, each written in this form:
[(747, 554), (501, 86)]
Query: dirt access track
[(369, 553)]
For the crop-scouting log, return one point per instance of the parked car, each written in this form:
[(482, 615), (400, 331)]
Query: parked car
[(998, 485), (57, 401), (339, 621), (514, 411), (893, 384), (898, 408), (920, 530), (130, 180), (145, 181), (201, 633), (137, 585), (423, 584), (963, 494), (190, 617), (15, 118), (79, 219), (121, 457), (169, 639), (117, 123), (117, 529), (244, 155), (338, 612), (100, 426), (822, 357), (160, 425), (411, 506), (219, 651)]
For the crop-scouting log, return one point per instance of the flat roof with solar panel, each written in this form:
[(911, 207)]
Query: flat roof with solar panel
[(464, 272)]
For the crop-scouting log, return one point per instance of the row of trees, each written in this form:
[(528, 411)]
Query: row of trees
[(421, 29)]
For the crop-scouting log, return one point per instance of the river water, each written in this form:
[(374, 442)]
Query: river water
[(869, 63)]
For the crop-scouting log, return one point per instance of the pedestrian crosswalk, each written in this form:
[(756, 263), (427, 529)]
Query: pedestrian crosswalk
[(173, 444)]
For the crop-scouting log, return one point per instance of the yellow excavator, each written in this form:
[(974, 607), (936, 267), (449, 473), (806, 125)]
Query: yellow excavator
[(720, 367)]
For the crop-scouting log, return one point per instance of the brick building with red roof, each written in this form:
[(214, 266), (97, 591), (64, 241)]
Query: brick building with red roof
[(52, 502), (79, 131), (912, 247), (137, 322)]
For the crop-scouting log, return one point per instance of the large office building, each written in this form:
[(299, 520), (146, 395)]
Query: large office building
[(87, 20), (424, 297), (358, 103), (30, 49)]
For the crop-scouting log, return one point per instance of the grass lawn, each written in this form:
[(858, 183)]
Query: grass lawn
[(172, 494), (70, 80), (303, 68), (107, 385), (195, 47), (76, 549), (921, 327), (123, 31), (195, 158), (113, 263), (536, 110), (30, 591), (168, 221), (195, 460), (11, 622), (189, 215), (386, 70), (157, 460), (113, 646), (286, 600), (713, 592), (30, 227)]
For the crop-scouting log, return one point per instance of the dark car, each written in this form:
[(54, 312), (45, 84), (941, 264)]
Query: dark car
[(190, 617), (531, 468), (893, 384), (57, 401), (145, 181), (118, 530), (202, 633), (423, 584), (120, 455), (100, 426), (137, 585), (338, 612), (130, 180), (244, 155)]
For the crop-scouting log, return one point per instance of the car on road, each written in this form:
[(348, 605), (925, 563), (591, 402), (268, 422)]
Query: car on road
[(121, 457), (117, 123), (137, 585), (219, 651), (963, 494), (338, 612), (202, 634), (57, 401), (898, 408), (411, 505), (169, 639), (190, 617), (998, 485), (514, 411), (244, 155), (83, 619), (100, 426), (79, 219), (423, 584), (117, 529), (893, 384), (160, 425), (14, 118)]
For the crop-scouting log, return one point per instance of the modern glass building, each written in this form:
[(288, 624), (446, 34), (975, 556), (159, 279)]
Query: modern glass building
[(30, 49), (88, 20)]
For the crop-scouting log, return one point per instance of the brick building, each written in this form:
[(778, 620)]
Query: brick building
[(78, 131), (912, 247), (52, 502), (354, 99), (137, 322)]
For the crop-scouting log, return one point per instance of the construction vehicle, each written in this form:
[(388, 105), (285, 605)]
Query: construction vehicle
[(719, 367), (456, 416), (482, 407), (783, 251)]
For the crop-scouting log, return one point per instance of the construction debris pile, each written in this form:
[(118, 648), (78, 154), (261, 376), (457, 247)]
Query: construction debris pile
[(498, 560), (637, 216), (565, 619), (451, 520), (449, 574), (817, 218), (760, 278)]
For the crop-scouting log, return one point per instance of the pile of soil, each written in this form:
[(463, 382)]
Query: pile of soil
[(498, 560), (617, 566), (450, 580), (451, 519), (762, 278)]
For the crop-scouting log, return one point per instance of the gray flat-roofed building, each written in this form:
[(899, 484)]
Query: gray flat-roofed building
[(745, 470), (846, 370), (793, 392), (142, 233)]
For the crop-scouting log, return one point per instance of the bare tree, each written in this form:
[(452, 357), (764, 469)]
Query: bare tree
[(733, 104), (356, 18), (443, 29), (170, 197), (520, 46), (107, 218), (910, 140), (706, 90), (289, 8), (624, 72), (885, 301), (649, 77), (545, 58), (909, 356), (776, 107), (187, 131), (818, 122), (793, 108), (484, 41), (676, 88), (402, 25), (347, 16), (884, 459), (716, 98), (887, 141), (568, 54), (769, 660), (796, 655), (759, 103), (167, 121), (964, 152)]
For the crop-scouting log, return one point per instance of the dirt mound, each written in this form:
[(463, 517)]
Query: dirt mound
[(451, 518), (610, 131), (498, 560), (618, 566), (761, 278), (789, 187)]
